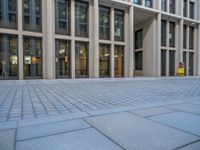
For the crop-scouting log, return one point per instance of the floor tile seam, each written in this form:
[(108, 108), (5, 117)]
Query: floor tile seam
[(188, 144)]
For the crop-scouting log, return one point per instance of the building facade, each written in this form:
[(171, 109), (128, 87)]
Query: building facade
[(52, 39)]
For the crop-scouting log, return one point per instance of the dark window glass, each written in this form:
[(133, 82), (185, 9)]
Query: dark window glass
[(8, 14), (191, 64), (104, 60), (184, 36), (139, 60), (8, 56), (164, 5), (172, 63), (62, 17), (81, 60), (62, 58), (138, 39), (185, 8), (32, 15), (163, 62), (163, 32), (81, 19), (137, 2), (119, 61), (32, 57), (172, 6), (104, 23), (191, 37), (172, 32), (185, 62), (119, 25), (191, 10), (148, 3)]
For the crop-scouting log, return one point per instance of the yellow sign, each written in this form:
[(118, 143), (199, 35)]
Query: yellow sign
[(181, 71)]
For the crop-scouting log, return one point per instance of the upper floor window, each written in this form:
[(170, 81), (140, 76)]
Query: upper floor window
[(163, 32), (148, 3), (138, 39), (172, 6), (104, 23), (119, 25), (164, 5), (191, 10), (81, 13), (32, 15), (191, 37), (8, 14), (172, 32), (137, 2), (184, 36), (185, 8), (62, 17)]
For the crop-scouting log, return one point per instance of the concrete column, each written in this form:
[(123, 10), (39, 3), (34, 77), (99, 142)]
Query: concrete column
[(158, 45), (112, 66), (20, 41), (180, 41), (49, 40), (198, 51), (96, 39), (73, 41), (167, 53)]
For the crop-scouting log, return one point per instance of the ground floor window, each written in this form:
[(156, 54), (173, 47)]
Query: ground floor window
[(62, 58), (163, 62), (139, 60), (172, 62), (8, 56), (81, 60), (32, 57), (104, 60), (191, 63), (185, 62), (119, 61)]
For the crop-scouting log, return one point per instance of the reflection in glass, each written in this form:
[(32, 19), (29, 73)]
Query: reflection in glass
[(62, 58), (104, 60), (8, 14), (119, 61), (32, 57), (81, 60), (8, 56), (119, 25)]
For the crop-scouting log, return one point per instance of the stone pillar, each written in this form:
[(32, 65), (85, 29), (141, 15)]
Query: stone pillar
[(73, 41), (112, 66), (198, 51), (158, 45), (181, 41)]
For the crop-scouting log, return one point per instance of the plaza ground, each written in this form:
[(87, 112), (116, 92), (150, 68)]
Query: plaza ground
[(100, 114)]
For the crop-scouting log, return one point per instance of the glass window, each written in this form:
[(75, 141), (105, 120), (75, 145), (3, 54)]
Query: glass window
[(164, 5), (184, 36), (172, 31), (138, 39), (172, 63), (32, 57), (8, 14), (104, 23), (8, 56), (185, 62), (32, 15), (191, 10), (104, 60), (81, 18), (62, 17), (185, 8), (148, 3), (191, 37), (62, 58), (163, 32), (163, 62), (172, 6), (137, 2), (191, 64), (119, 25), (139, 60), (81, 60), (119, 61)]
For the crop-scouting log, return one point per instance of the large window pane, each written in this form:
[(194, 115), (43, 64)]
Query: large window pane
[(191, 64), (8, 56), (185, 8), (163, 62), (172, 63), (191, 10), (119, 25), (104, 23), (185, 62), (62, 17), (119, 61), (104, 60), (184, 36), (164, 5), (172, 32), (32, 15), (137, 2), (81, 13), (8, 14), (138, 39), (148, 3), (191, 37), (172, 6), (163, 33), (139, 60), (81, 60), (62, 58), (32, 57)]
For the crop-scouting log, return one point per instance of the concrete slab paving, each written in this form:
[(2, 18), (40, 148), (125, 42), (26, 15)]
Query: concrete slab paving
[(181, 120), (7, 139), (133, 132), (193, 146), (49, 129), (87, 139)]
